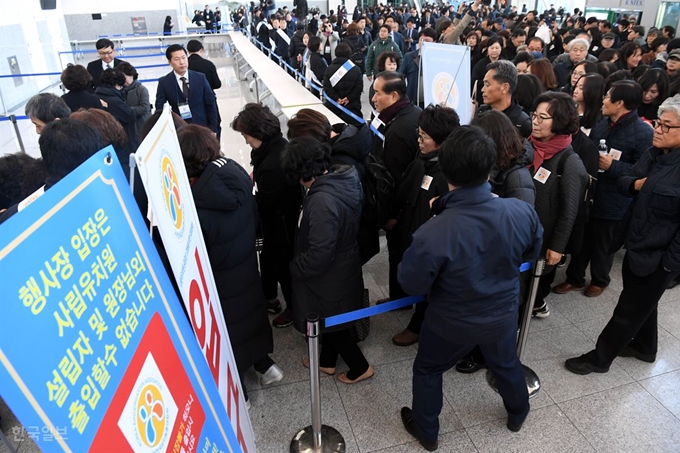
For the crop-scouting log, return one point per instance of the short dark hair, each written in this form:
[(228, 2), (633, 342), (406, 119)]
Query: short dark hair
[(66, 144), (47, 107), (661, 40), (199, 148), (172, 48), (20, 176), (393, 81), (103, 43), (194, 45), (429, 32), (76, 78), (343, 50), (562, 108), (506, 72), (305, 158), (606, 68), (628, 91), (607, 55), (523, 57), (438, 122), (309, 123), (639, 29), (621, 74), (528, 88), (536, 38), (506, 136), (314, 43), (467, 156), (112, 77), (128, 70), (257, 121), (518, 32), (382, 59), (670, 30)]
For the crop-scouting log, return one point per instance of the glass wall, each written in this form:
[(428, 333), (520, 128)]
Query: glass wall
[(669, 14)]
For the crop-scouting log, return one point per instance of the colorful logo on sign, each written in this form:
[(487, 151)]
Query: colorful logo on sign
[(171, 194), (151, 415), (445, 90)]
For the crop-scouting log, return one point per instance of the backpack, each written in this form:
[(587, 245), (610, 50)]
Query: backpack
[(378, 191)]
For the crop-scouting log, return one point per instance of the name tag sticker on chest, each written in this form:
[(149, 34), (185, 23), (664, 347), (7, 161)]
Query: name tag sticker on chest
[(542, 175), (427, 180), (615, 153), (184, 111)]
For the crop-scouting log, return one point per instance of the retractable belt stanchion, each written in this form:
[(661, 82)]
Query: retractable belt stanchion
[(316, 438), (532, 380), (17, 134)]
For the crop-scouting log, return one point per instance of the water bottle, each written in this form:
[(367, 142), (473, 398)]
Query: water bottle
[(603, 150)]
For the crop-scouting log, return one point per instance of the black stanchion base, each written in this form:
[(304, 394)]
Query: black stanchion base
[(331, 441), (533, 382)]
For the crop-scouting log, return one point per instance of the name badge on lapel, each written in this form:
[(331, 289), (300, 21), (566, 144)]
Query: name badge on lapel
[(542, 175)]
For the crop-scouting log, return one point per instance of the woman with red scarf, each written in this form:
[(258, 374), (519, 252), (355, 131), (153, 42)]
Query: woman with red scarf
[(560, 180)]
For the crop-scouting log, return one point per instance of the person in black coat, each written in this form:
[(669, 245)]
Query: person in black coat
[(222, 191), (297, 46), (77, 81), (112, 82), (278, 203), (652, 244), (326, 268), (627, 138), (560, 180), (107, 60), (317, 64), (421, 183), (398, 120), (167, 26), (350, 145), (203, 65), (344, 86)]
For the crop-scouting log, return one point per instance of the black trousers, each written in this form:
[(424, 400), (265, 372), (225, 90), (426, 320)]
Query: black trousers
[(634, 321), (417, 318), (261, 366), (597, 241), (275, 260), (341, 343), (395, 251), (545, 285), (436, 355)]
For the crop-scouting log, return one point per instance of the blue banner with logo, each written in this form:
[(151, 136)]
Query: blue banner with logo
[(446, 77), (96, 353)]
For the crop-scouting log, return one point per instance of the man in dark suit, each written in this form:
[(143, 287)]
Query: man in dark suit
[(188, 92), (209, 18), (412, 69), (107, 60), (411, 35), (206, 67), (396, 36)]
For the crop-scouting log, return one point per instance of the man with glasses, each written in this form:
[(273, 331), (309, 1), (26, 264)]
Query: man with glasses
[(652, 243), (627, 138), (107, 60)]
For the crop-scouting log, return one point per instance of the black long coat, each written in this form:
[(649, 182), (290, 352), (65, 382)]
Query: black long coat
[(349, 86), (326, 269), (228, 217)]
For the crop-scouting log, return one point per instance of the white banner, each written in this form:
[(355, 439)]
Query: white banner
[(160, 164)]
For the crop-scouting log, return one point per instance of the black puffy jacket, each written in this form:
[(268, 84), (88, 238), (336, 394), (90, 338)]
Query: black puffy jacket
[(632, 137), (228, 217), (351, 146), (653, 237), (516, 181), (297, 47), (326, 269)]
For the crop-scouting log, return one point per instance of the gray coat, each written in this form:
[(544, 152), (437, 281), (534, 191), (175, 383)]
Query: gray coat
[(137, 97)]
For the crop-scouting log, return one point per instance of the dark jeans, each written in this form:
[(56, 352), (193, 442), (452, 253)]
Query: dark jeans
[(634, 321), (275, 260), (341, 343), (437, 355), (597, 241), (395, 251)]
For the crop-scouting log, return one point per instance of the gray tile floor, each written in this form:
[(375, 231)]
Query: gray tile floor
[(635, 407)]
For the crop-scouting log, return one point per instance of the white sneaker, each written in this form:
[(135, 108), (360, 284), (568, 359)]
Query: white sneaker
[(273, 374)]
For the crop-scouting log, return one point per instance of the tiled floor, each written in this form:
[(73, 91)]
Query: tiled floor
[(635, 407)]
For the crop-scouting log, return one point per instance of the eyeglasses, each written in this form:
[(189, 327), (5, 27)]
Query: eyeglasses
[(422, 137), (539, 119), (665, 128)]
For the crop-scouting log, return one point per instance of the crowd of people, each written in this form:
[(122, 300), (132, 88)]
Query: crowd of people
[(570, 156)]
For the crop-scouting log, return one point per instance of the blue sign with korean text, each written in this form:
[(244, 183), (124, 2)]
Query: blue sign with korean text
[(96, 353)]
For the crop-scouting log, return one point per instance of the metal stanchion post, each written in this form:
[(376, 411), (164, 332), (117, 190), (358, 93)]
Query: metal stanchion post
[(316, 438), (532, 380), (17, 134)]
